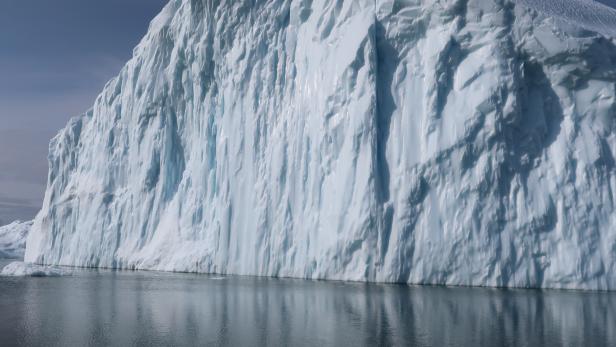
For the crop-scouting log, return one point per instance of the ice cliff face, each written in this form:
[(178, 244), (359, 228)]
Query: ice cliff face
[(463, 142), (13, 240)]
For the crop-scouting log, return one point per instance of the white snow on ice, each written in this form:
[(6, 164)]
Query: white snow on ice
[(588, 14)]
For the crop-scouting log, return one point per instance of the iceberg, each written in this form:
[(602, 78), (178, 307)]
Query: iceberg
[(452, 142), (13, 240), (21, 269)]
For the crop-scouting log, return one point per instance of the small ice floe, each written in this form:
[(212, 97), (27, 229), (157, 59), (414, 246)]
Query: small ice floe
[(20, 269)]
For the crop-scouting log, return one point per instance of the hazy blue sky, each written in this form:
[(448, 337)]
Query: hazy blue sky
[(55, 56)]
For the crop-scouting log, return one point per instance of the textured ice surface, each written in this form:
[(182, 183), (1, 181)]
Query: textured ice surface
[(589, 14), (21, 269), (13, 240), (461, 142)]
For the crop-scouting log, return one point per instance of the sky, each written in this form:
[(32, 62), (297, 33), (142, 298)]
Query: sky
[(55, 57)]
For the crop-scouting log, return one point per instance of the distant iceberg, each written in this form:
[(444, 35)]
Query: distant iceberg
[(13, 240), (432, 142)]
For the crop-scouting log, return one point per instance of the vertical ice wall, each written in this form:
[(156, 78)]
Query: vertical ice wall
[(463, 142)]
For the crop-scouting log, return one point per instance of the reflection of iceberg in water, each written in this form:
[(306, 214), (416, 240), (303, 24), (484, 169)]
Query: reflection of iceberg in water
[(128, 308)]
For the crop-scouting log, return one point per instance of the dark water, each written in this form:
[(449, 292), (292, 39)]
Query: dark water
[(106, 308)]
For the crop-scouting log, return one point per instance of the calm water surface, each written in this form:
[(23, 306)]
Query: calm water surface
[(102, 308)]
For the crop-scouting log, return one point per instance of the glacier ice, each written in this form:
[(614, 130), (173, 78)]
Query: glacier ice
[(21, 269), (589, 14), (457, 142), (13, 240)]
